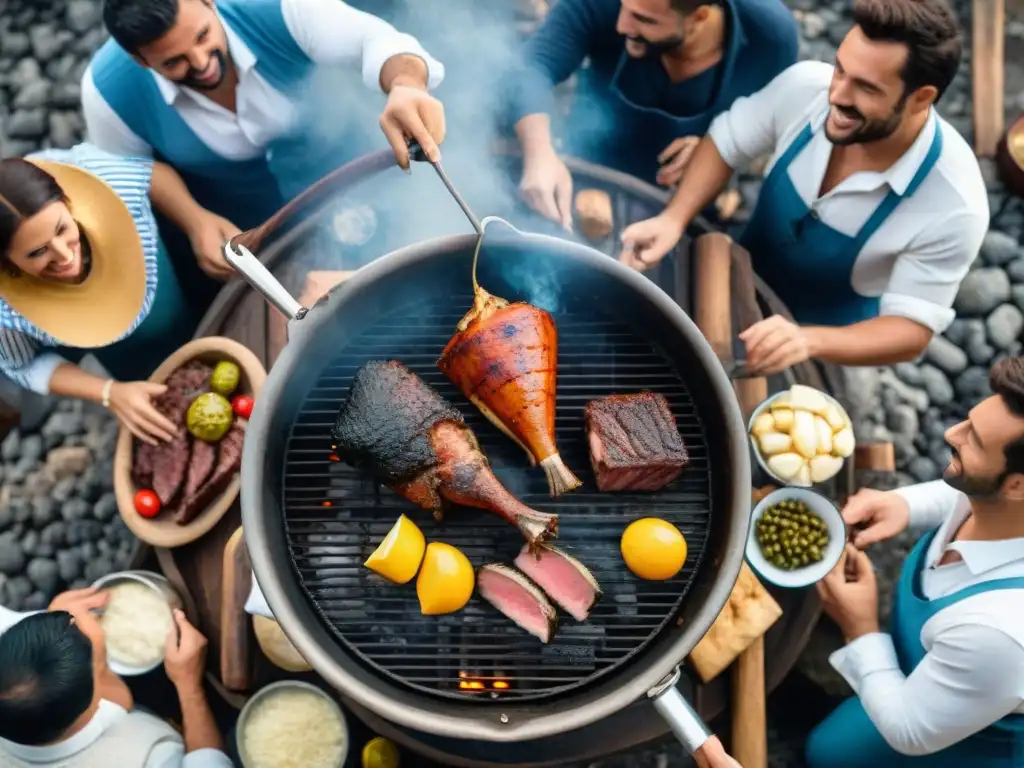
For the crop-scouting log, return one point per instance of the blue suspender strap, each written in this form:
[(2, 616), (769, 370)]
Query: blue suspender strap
[(893, 199), (802, 140)]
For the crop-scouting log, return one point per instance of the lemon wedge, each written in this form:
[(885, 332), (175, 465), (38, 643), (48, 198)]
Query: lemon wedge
[(380, 753), (399, 556), (446, 580)]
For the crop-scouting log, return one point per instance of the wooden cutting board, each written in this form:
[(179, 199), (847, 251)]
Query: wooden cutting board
[(235, 638)]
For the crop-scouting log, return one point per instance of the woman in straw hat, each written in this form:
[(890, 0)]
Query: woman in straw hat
[(83, 270)]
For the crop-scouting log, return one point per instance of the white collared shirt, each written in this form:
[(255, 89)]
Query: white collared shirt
[(330, 32), (973, 673), (918, 256), (108, 714)]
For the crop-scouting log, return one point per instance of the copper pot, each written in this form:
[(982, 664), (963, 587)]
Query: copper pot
[(1010, 157)]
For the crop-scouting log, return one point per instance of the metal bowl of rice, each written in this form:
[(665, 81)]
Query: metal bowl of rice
[(137, 619), (291, 724)]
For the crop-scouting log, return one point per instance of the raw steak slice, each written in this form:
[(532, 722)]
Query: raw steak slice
[(229, 460), (634, 442), (518, 598), (564, 578)]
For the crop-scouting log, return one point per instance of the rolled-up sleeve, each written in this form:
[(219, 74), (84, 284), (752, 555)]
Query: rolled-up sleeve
[(754, 125), (931, 504), (332, 32), (25, 362), (927, 276)]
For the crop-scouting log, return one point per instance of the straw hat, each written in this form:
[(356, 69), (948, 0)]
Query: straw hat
[(102, 308)]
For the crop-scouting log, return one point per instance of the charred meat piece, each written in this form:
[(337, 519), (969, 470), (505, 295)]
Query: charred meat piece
[(634, 442), (170, 460), (564, 578), (396, 427), (228, 454), (200, 467), (518, 598), (504, 359)]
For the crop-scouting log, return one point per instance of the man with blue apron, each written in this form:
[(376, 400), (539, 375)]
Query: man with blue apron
[(248, 100), (945, 688), (873, 208), (658, 72)]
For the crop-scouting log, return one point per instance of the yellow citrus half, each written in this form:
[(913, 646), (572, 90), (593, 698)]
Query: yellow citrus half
[(653, 549), (399, 556), (380, 753), (446, 580)]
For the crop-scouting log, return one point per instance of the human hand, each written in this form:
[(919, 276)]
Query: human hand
[(131, 402), (184, 653), (674, 159), (775, 344), (849, 594), (413, 114), (645, 243), (546, 186), (208, 235), (713, 755), (79, 601), (881, 514)]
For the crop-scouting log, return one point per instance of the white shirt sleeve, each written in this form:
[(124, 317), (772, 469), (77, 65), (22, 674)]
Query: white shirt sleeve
[(930, 503), (171, 754), (104, 128), (25, 362), (972, 676), (754, 125), (926, 277), (9, 618), (332, 32)]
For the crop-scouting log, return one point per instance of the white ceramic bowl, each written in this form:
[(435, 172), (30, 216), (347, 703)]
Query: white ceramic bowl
[(158, 584), (764, 406), (284, 685), (801, 577)]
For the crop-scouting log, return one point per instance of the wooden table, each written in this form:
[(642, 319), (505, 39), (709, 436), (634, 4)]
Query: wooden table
[(241, 314)]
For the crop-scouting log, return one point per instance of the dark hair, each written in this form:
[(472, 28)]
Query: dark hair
[(686, 7), (1006, 379), (135, 23), (46, 678), (928, 28), (25, 189)]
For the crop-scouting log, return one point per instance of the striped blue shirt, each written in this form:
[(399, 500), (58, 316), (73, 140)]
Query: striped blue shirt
[(28, 355)]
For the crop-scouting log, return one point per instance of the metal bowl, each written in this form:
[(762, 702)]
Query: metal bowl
[(756, 449), (269, 690), (801, 577), (158, 584)]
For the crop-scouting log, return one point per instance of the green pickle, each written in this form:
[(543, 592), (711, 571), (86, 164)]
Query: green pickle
[(209, 417), (225, 378), (791, 536)]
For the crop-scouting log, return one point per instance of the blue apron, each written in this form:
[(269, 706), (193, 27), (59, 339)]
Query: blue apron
[(168, 325), (848, 739), (806, 262)]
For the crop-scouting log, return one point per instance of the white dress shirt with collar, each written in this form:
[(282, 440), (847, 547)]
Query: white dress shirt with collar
[(330, 32), (919, 255), (165, 755), (973, 673)]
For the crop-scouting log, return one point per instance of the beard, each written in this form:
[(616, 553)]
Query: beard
[(653, 49), (974, 487), (866, 131), (190, 80)]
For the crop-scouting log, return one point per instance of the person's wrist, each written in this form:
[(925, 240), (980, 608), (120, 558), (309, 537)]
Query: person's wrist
[(675, 220), (190, 688), (814, 338), (858, 629)]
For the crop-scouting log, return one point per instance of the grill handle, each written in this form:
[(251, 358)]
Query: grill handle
[(260, 278), (677, 712)]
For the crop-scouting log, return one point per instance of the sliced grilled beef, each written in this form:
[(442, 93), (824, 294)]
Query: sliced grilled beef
[(634, 442), (229, 460)]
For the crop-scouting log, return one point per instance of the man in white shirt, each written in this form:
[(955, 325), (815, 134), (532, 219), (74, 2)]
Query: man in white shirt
[(946, 687), (60, 704), (237, 97), (873, 207)]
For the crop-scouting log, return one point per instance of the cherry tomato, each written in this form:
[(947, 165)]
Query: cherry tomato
[(242, 406), (147, 503)]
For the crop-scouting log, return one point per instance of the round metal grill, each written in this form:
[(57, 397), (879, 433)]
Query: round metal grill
[(335, 517)]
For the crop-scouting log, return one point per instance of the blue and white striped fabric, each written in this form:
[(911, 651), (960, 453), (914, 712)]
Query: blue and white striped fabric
[(24, 355)]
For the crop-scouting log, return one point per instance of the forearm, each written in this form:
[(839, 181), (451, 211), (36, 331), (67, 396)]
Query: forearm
[(534, 133), (404, 69), (706, 176), (879, 341), (171, 197), (69, 380), (200, 729)]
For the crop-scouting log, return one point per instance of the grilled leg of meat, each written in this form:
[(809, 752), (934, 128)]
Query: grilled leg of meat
[(399, 429)]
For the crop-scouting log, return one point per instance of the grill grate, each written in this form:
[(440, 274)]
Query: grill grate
[(335, 517)]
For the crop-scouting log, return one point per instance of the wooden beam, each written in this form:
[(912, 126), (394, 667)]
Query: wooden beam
[(988, 20)]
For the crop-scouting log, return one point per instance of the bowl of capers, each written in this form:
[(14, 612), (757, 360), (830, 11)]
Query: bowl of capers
[(796, 537)]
